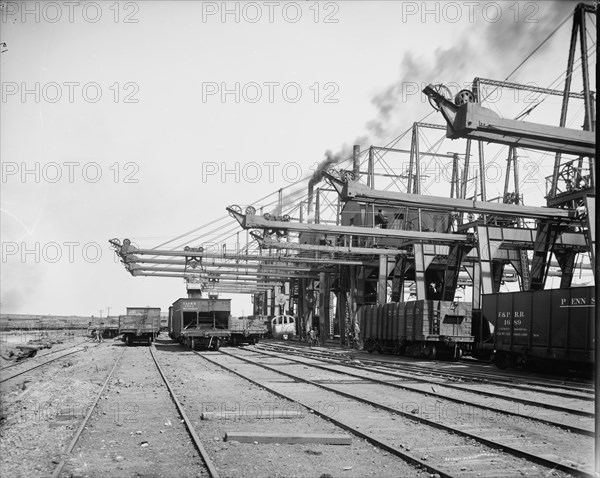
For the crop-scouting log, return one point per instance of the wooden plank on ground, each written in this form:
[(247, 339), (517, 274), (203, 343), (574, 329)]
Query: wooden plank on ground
[(246, 437)]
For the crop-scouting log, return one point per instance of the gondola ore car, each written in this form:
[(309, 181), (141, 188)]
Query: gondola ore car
[(200, 322), (247, 330), (421, 328), (552, 327), (208, 323), (140, 325)]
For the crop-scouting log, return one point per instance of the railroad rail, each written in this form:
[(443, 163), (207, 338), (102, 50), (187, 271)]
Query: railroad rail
[(500, 449), (396, 451), (503, 408), (68, 462), (527, 383), (426, 378), (46, 362)]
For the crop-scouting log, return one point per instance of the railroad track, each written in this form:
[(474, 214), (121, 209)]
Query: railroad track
[(21, 362), (579, 402), (554, 415), (130, 438), (510, 455), (239, 407), (68, 351), (525, 383)]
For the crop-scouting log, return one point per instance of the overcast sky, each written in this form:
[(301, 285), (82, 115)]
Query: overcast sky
[(146, 119)]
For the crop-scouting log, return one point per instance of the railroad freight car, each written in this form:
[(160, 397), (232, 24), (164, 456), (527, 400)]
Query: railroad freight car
[(208, 323), (200, 322), (547, 327), (140, 325), (247, 330), (421, 328)]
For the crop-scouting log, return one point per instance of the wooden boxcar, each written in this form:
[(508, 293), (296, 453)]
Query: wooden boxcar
[(422, 328), (140, 325), (554, 326)]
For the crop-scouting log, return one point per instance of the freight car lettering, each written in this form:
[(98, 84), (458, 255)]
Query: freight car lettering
[(503, 331), (520, 332), (504, 314), (578, 302)]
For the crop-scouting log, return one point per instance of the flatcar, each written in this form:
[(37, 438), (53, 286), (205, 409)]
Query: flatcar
[(421, 328), (552, 327), (283, 327)]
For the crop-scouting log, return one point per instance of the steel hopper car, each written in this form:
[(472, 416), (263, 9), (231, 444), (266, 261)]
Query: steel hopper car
[(552, 327), (421, 328)]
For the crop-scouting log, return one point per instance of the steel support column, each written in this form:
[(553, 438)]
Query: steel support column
[(352, 301), (382, 280), (398, 278), (487, 250), (324, 297), (423, 258)]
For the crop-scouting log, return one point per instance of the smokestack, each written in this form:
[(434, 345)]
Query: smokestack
[(311, 188), (316, 177), (356, 161)]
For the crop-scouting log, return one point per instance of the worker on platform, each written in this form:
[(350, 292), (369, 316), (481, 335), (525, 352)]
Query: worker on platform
[(381, 220)]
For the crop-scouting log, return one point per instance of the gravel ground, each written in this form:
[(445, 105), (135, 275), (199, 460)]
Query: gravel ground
[(42, 409), (438, 447), (136, 429), (202, 387)]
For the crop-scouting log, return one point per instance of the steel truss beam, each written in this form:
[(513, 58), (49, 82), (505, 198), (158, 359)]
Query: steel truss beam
[(216, 274), (354, 190), (473, 121), (130, 259), (250, 221), (349, 250), (523, 87)]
